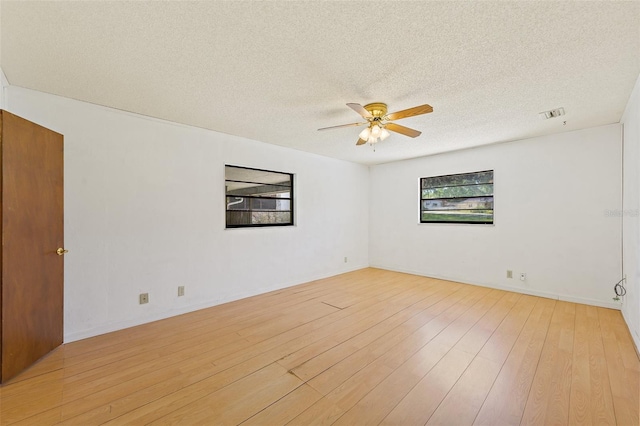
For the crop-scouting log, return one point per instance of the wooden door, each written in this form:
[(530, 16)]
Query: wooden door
[(32, 230)]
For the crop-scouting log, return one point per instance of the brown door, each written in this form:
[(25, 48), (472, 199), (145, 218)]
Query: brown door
[(32, 230)]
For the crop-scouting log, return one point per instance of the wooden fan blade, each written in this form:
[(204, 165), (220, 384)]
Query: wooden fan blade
[(402, 130), (360, 110), (361, 142), (343, 125), (419, 110)]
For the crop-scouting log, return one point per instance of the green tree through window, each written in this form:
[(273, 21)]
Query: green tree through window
[(460, 198)]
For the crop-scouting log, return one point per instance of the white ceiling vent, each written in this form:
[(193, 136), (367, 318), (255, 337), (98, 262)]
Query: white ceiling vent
[(552, 113)]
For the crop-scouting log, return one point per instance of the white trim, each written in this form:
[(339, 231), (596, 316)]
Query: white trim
[(4, 83), (120, 325), (634, 336), (555, 296)]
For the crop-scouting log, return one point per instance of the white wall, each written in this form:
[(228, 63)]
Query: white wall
[(631, 212), (3, 84), (144, 212), (551, 198)]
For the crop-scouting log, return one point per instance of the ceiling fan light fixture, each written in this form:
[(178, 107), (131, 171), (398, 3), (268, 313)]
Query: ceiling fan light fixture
[(379, 123), (375, 131), (364, 135)]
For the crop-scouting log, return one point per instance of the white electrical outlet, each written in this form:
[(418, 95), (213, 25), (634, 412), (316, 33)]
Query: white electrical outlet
[(509, 273), (345, 259), (523, 276), (144, 298), (180, 290)]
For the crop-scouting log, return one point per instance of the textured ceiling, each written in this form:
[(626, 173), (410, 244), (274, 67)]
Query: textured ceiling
[(277, 71)]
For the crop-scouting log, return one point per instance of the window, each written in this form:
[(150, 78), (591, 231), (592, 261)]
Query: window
[(461, 198), (258, 197)]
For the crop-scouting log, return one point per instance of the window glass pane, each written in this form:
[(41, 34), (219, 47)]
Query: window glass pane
[(257, 189), (462, 198), (270, 204), (477, 203), (262, 218), (458, 191), (458, 216), (237, 203), (283, 205), (236, 218), (241, 174), (461, 179), (258, 197)]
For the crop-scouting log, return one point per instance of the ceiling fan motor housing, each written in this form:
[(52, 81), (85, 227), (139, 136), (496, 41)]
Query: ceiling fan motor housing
[(377, 109)]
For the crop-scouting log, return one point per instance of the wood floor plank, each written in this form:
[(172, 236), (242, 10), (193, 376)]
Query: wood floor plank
[(601, 402), (375, 405), (625, 403), (473, 341), (591, 401), (419, 404), (580, 398), (506, 401), (462, 403), (286, 408), (28, 397), (128, 386), (113, 381), (408, 351), (228, 317), (230, 367), (322, 413), (241, 363), (326, 360), (175, 339), (220, 364), (498, 346), (548, 401), (344, 369), (353, 328), (477, 380), (364, 347), (624, 341), (235, 403)]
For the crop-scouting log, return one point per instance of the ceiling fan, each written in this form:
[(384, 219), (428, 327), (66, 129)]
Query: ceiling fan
[(379, 122)]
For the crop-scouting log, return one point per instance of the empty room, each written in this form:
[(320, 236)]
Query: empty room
[(316, 213)]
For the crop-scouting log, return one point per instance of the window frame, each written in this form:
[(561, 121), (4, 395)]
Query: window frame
[(260, 225), (421, 200)]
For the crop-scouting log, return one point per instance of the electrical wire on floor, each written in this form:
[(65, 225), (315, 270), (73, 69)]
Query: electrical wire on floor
[(619, 289)]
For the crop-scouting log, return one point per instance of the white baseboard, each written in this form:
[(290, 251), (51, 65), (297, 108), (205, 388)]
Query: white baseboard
[(548, 295), (115, 326), (634, 334), (120, 325)]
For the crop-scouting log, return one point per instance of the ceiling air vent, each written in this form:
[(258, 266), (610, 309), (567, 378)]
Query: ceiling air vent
[(552, 113)]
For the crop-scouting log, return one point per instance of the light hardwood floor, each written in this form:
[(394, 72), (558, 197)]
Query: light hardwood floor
[(367, 347)]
